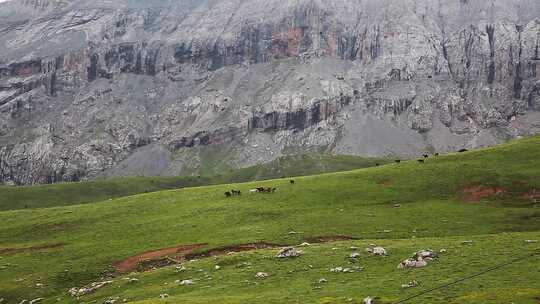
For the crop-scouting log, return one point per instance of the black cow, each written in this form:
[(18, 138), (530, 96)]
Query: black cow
[(425, 156), (463, 150), (398, 161), (420, 160), (292, 181), (228, 194)]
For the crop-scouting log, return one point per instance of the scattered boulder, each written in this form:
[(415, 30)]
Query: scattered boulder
[(289, 252), (377, 250), (180, 268), (36, 300), (467, 242), (442, 250), (1, 300), (368, 300), (132, 280), (411, 284), (346, 269), (261, 275), (217, 267), (531, 241), (163, 296), (185, 282), (77, 292), (323, 280), (110, 301), (354, 255), (418, 260), (305, 244), (427, 254)]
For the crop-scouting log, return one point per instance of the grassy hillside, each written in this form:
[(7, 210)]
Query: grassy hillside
[(43, 196), (486, 196)]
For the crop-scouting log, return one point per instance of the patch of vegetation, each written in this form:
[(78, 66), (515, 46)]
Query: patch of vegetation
[(403, 207)]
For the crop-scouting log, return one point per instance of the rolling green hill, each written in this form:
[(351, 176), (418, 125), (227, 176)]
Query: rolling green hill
[(480, 206), (65, 194)]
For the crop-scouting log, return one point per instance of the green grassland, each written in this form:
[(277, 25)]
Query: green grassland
[(434, 213), (65, 194)]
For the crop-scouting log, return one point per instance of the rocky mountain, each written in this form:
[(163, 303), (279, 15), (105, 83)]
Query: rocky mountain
[(163, 87)]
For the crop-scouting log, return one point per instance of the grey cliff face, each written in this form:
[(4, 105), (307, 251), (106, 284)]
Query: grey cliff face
[(162, 87)]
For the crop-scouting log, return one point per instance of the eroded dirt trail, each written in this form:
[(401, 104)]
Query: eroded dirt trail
[(132, 263), (173, 255)]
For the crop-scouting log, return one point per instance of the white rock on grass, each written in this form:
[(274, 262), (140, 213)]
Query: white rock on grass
[(323, 280), (377, 250), (411, 284), (346, 269), (184, 282), (368, 300), (36, 300), (337, 269), (217, 267), (304, 244), (163, 296), (411, 263), (354, 255), (180, 268), (289, 252), (261, 275), (418, 260), (77, 292)]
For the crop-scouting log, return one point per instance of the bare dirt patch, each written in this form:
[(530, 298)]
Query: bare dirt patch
[(475, 193), (533, 195), (30, 249), (175, 255)]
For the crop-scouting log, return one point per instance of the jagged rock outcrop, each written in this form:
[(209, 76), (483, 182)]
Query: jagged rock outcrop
[(92, 88)]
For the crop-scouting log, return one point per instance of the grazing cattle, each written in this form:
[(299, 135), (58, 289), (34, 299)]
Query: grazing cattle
[(228, 194), (377, 164), (253, 191), (420, 160), (398, 161), (463, 150), (436, 154), (264, 190), (236, 192), (425, 156), (292, 181)]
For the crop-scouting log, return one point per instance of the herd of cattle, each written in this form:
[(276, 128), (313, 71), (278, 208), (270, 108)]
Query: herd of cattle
[(272, 190), (256, 190)]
